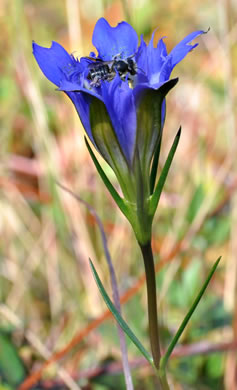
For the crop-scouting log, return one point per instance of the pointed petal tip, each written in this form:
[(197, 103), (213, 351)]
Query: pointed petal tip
[(52, 61), (184, 47), (38, 49)]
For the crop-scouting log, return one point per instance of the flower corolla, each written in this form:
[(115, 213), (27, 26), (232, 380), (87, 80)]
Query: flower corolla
[(119, 94)]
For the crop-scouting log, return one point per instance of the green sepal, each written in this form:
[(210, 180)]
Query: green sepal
[(108, 145), (104, 135), (154, 200), (128, 209), (119, 318), (149, 120), (154, 166), (165, 358), (117, 198)]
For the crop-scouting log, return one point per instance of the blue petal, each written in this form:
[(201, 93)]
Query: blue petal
[(119, 101), (153, 62), (183, 47), (81, 102), (53, 61), (71, 86), (80, 97), (157, 57), (111, 41), (158, 54), (165, 71), (141, 60)]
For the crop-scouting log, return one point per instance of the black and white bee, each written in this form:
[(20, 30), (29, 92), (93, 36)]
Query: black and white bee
[(101, 70)]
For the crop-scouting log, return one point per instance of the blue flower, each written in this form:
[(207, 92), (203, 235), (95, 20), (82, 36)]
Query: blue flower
[(122, 112)]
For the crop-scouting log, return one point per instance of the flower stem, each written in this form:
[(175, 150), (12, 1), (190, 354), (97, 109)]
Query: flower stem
[(152, 303), (153, 314)]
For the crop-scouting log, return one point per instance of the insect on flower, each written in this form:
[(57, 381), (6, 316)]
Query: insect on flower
[(100, 70)]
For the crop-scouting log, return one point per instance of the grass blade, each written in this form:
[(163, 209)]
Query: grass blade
[(123, 346)]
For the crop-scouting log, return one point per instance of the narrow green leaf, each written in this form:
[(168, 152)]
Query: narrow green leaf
[(118, 317), (117, 198), (179, 332), (159, 187)]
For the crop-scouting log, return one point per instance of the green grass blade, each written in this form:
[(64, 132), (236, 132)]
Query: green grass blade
[(117, 198), (159, 187), (165, 358), (118, 317)]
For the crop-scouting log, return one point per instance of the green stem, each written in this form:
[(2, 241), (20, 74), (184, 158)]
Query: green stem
[(152, 313), (152, 303), (163, 384)]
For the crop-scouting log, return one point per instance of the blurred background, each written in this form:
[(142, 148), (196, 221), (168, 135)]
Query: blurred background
[(49, 302)]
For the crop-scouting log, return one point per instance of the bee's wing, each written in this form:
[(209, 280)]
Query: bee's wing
[(93, 62), (94, 59), (98, 62)]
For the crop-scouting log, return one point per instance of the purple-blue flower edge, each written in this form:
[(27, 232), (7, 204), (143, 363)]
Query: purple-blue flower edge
[(154, 67)]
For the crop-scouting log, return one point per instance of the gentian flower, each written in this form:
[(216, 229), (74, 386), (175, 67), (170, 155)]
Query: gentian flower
[(122, 112)]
